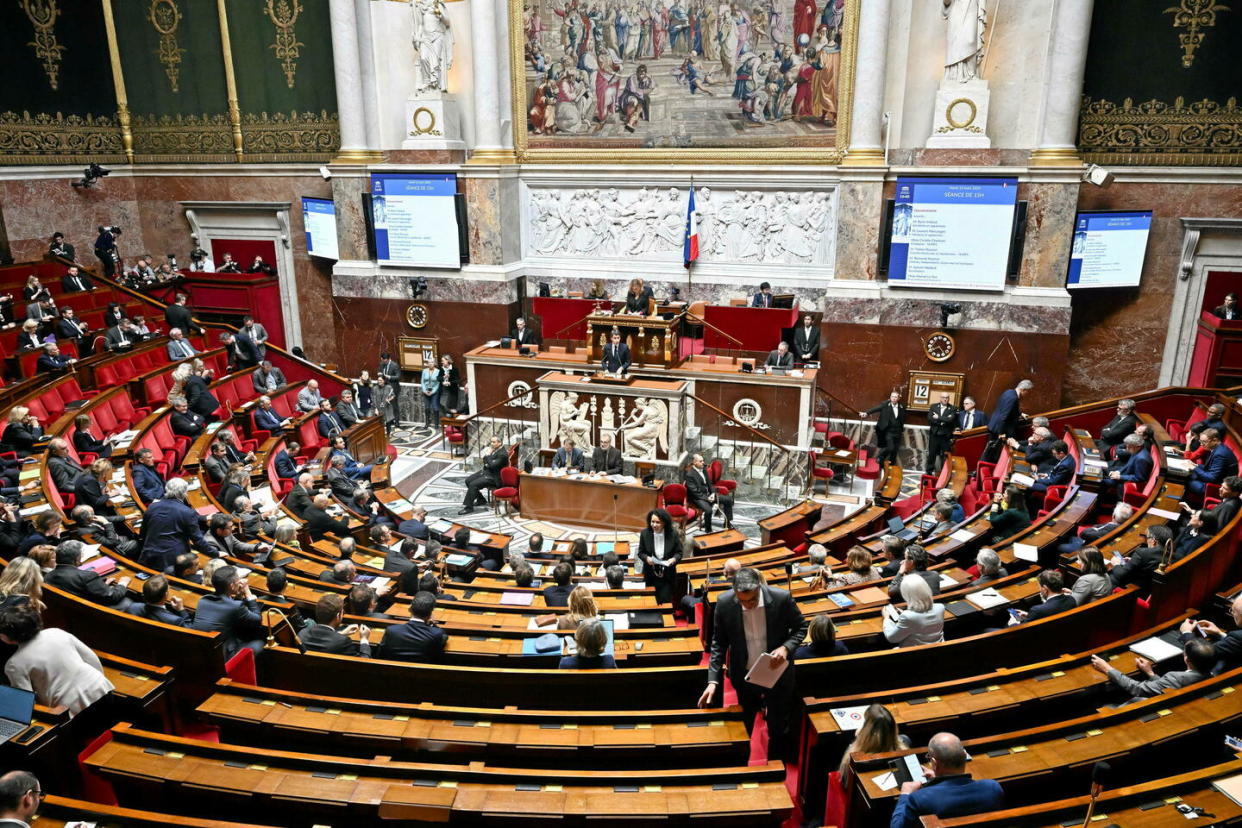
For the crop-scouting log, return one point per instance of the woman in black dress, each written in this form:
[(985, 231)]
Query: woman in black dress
[(660, 550)]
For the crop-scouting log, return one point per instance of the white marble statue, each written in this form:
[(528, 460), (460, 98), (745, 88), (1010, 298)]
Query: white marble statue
[(647, 428), (433, 40), (967, 20), (572, 421)]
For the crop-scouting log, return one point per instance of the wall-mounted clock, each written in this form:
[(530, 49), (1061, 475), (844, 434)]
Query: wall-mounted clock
[(939, 347), (416, 316)]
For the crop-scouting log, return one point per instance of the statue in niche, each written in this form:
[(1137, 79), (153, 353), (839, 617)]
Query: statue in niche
[(968, 19), (647, 428), (433, 40)]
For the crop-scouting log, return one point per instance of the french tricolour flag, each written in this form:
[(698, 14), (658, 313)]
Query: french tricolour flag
[(691, 247)]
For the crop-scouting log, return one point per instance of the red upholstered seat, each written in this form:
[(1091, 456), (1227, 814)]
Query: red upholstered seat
[(868, 467), (715, 471), (507, 492), (674, 495), (819, 472), (456, 438)]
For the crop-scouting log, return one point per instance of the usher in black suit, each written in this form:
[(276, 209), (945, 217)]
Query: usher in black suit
[(889, 429)]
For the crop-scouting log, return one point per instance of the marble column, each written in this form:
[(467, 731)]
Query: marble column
[(367, 79), (870, 59), (488, 146), (1067, 64), (347, 68)]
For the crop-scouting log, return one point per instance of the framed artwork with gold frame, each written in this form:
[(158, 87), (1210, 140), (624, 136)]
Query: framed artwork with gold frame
[(580, 96), (924, 389)]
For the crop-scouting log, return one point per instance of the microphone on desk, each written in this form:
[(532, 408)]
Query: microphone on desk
[(615, 532), (1098, 772)]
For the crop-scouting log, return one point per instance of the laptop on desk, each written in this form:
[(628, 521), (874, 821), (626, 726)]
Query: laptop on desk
[(16, 709), (896, 527)]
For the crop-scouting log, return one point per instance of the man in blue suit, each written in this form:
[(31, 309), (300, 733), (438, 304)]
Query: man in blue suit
[(1221, 462), (1006, 418), (762, 299), (231, 611), (1060, 474), (330, 422), (241, 350), (568, 456), (147, 480), (1137, 466), (286, 466), (267, 418), (416, 525), (169, 527), (949, 791), (970, 416), (417, 639)]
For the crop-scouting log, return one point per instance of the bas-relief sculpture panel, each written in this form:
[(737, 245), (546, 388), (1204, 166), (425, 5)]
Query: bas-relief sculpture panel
[(681, 74), (647, 224)]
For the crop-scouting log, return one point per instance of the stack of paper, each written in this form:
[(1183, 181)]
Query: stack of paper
[(1155, 649), (517, 599), (987, 598), (1026, 552)]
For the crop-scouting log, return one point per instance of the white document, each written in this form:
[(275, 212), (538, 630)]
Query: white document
[(885, 781), (1164, 513), (1155, 649), (962, 535), (478, 538), (379, 583), (89, 550), (1093, 463), (620, 621), (1022, 479), (764, 673), (1180, 465), (987, 598), (946, 582), (849, 718), (1026, 552), (34, 510)]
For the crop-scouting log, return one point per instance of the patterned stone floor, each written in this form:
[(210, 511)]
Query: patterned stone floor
[(426, 474)]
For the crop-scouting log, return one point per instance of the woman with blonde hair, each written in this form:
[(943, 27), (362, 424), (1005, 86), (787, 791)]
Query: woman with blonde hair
[(592, 640), (581, 607), (878, 734), (22, 432), (44, 554), (638, 299), (179, 376), (29, 337), (95, 489), (22, 581)]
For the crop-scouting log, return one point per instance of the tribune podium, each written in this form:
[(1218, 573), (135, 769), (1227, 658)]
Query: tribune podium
[(653, 340)]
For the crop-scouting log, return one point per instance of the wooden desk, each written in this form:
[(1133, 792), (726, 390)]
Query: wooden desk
[(652, 339), (586, 501)]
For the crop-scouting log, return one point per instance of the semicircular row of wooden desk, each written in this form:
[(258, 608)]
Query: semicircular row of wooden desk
[(386, 740)]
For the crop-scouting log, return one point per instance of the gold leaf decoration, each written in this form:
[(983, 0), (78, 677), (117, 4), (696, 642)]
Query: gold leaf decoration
[(165, 17), (284, 16), (42, 15), (62, 139), (290, 136), (176, 138), (1194, 16), (1154, 132)]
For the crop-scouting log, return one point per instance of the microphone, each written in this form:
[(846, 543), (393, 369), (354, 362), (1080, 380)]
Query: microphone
[(1099, 772)]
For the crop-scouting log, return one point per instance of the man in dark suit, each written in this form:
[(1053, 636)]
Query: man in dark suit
[(753, 616), (300, 496), (1220, 463), (806, 341), (1052, 595), (147, 480), (1037, 450), (616, 358), (415, 526), (170, 526), (401, 559), (319, 522), (341, 484), (762, 299), (522, 335), (178, 315), (606, 457), (325, 635), (970, 416), (780, 358), (222, 543), (241, 350), (286, 467), (61, 249), (1137, 466), (231, 611), (568, 456), (158, 605), (83, 582), (914, 565), (51, 362), (1229, 308), (1119, 427), (1228, 644), (949, 791), (1223, 512), (488, 477), (556, 594), (1006, 418), (941, 421), (418, 639), (346, 409), (329, 422), (64, 469), (1121, 513), (1061, 473), (267, 418), (184, 422), (122, 337), (703, 495), (890, 427), (74, 282)]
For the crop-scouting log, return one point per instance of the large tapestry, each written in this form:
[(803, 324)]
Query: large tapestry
[(1162, 83), (687, 77)]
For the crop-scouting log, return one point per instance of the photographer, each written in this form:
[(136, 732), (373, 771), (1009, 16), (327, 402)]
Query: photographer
[(106, 250)]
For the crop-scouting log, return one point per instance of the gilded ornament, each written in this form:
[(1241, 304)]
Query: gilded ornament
[(290, 136), (178, 138), (284, 15), (1194, 16), (165, 17), (45, 138), (1154, 132), (424, 122), (42, 15)]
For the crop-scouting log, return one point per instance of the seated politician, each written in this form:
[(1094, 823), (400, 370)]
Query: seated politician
[(1219, 464), (780, 358), (606, 458), (1135, 464), (616, 358), (568, 456), (762, 299)]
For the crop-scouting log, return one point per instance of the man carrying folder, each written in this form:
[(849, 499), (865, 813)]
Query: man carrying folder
[(760, 627)]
